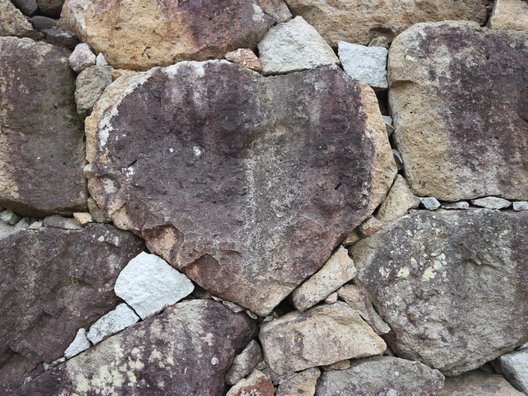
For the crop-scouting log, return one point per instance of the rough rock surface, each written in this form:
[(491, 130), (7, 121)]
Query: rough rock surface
[(28, 7), (113, 322), (149, 284), (53, 283), (215, 175), (491, 203), (301, 384), (81, 58), (456, 300), (51, 8), (141, 34), (381, 375), (478, 383), (509, 14), (360, 21), (244, 362), (189, 347), (256, 384), (337, 271), (366, 64), (13, 22), (454, 147), (39, 128), (276, 9), (317, 337), (79, 344), (514, 366), (294, 46), (245, 57), (89, 87), (398, 201)]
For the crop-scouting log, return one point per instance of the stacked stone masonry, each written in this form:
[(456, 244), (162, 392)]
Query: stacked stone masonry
[(264, 197)]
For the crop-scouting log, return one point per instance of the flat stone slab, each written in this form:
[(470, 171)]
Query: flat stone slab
[(478, 383), (112, 323), (215, 175), (454, 147), (450, 284)]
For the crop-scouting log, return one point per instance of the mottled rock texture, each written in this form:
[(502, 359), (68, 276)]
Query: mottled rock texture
[(301, 384), (451, 285), (478, 383), (13, 22), (187, 349), (514, 366), (509, 14), (360, 21), (381, 375), (141, 34), (256, 384), (246, 187), (460, 99), (53, 283), (41, 139)]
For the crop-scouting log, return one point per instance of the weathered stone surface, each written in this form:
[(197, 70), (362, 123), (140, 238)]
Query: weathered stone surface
[(430, 203), (79, 344), (360, 21), (8, 217), (81, 58), (188, 348), (514, 366), (276, 9), (51, 8), (41, 139), (520, 205), (113, 322), (366, 64), (341, 365), (215, 175), (453, 147), (509, 14), (28, 7), (317, 337), (40, 22), (478, 383), (53, 283), (302, 383), (461, 205), (13, 22), (141, 34), (245, 57), (7, 229), (149, 284), (294, 46), (338, 270), (256, 384), (491, 203), (370, 226), (83, 218), (381, 375), (450, 284), (89, 87), (244, 363), (61, 37), (398, 202), (66, 223)]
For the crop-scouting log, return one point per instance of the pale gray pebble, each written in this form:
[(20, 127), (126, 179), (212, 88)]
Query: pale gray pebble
[(461, 205), (365, 64), (491, 202), (81, 58), (430, 203), (520, 205)]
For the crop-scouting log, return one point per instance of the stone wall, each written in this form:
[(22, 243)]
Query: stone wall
[(264, 197)]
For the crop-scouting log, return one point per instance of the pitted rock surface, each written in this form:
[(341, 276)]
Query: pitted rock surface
[(41, 138), (245, 183), (141, 34), (450, 284), (460, 99), (53, 283), (186, 350)]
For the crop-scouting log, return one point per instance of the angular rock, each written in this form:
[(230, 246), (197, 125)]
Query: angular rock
[(256, 384), (520, 205), (514, 366), (320, 336), (366, 64), (357, 298), (149, 284), (61, 37), (165, 33), (337, 271), (509, 14), (245, 57), (13, 22), (294, 46), (370, 226), (83, 218), (332, 298), (51, 8), (244, 363), (187, 348), (450, 284), (454, 148), (303, 383), (9, 218), (89, 87), (398, 202), (382, 375), (81, 58), (461, 205), (28, 7), (41, 142), (111, 323), (79, 344), (478, 383), (53, 283), (491, 203), (276, 9), (430, 203), (218, 188)]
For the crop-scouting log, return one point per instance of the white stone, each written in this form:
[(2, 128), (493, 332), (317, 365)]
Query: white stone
[(338, 270), (430, 203), (292, 46), (112, 323), (514, 366), (460, 205), (149, 284), (81, 58), (520, 205), (100, 60), (78, 345), (366, 64), (491, 203)]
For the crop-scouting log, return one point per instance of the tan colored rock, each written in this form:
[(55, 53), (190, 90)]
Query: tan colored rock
[(13, 22), (341, 365), (360, 21), (478, 383), (509, 14), (301, 384), (276, 9), (83, 218), (320, 336), (244, 362), (351, 238), (256, 384), (141, 34), (245, 57), (370, 226), (89, 87), (453, 147), (398, 202)]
